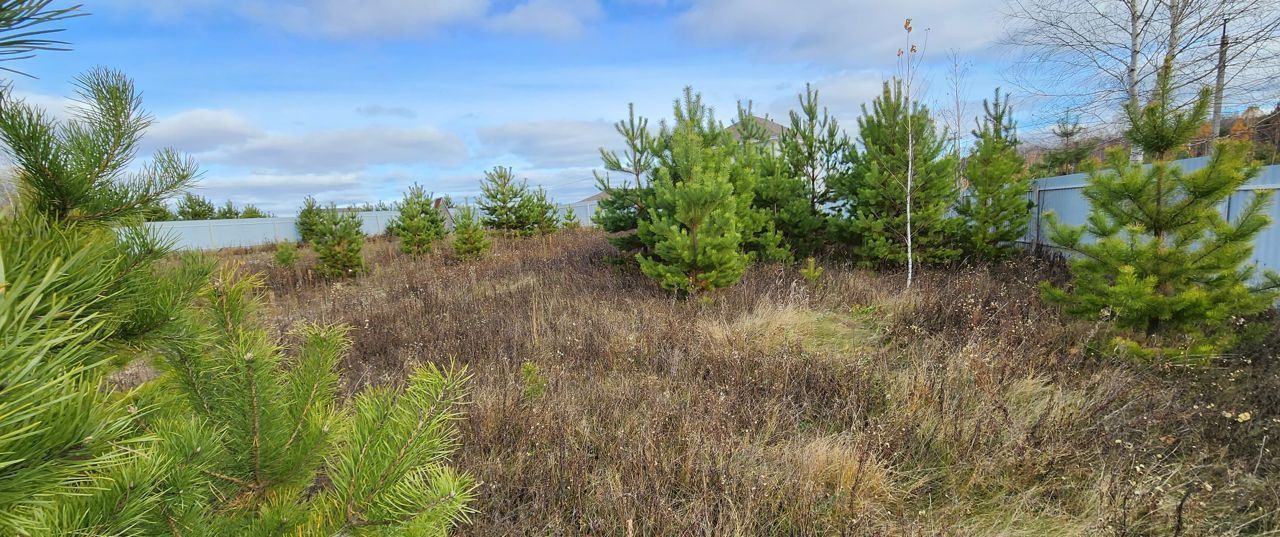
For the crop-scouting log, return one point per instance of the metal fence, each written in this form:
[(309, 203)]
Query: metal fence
[(1061, 194), (1064, 197), (245, 232)]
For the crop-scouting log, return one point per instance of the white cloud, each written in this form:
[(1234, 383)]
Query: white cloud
[(283, 193), (377, 110), (552, 18), (368, 17), (344, 18), (841, 32), (551, 143), (344, 150), (199, 130), (842, 94)]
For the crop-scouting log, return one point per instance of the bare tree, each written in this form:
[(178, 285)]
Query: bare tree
[(957, 75), (909, 59), (1093, 57)]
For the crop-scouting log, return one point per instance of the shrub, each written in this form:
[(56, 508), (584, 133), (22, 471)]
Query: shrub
[(419, 223), (309, 219), (338, 242), (286, 254), (469, 241), (532, 382), (811, 272)]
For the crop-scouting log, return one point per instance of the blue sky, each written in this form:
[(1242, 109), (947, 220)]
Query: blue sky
[(352, 101)]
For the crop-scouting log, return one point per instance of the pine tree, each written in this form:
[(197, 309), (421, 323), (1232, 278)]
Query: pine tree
[(244, 433), (193, 207), (620, 212), (693, 225), (996, 209), (681, 145), (539, 213), (286, 254), (228, 211), (502, 201), (252, 211), (338, 242), (815, 151), (309, 219), (419, 223), (1161, 259), (1073, 150), (871, 200), (158, 212), (469, 242), (570, 220), (82, 287), (754, 153)]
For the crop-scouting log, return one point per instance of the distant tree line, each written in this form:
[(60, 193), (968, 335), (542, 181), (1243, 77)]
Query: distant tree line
[(195, 207)]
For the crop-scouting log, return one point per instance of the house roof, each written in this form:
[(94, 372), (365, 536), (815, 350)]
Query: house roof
[(594, 197), (770, 126)]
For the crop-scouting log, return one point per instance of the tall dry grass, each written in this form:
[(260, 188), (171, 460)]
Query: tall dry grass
[(965, 407)]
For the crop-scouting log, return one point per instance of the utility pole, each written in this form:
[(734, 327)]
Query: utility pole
[(1220, 84)]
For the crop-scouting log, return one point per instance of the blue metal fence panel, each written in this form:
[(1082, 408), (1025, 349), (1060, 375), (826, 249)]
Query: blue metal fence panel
[(244, 232), (1064, 197)]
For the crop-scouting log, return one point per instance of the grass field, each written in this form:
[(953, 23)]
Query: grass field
[(965, 407)]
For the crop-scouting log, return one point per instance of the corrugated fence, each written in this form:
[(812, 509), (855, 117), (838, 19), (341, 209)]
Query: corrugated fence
[(244, 232), (1062, 195)]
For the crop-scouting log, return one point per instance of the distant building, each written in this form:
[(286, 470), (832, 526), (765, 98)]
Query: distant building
[(772, 128), (592, 199)]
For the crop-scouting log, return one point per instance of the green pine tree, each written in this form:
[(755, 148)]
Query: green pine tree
[(814, 155), (539, 213), (469, 242), (1073, 150), (228, 211), (620, 212), (252, 211), (570, 220), (1156, 254), (872, 200), (338, 242), (159, 212), (503, 201), (693, 222), (309, 219), (419, 224), (681, 145), (83, 288), (996, 209), (243, 434), (286, 254), (194, 207)]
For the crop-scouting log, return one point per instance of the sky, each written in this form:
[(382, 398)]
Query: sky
[(353, 101)]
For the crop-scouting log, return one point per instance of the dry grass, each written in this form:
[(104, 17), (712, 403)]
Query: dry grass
[(965, 407)]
